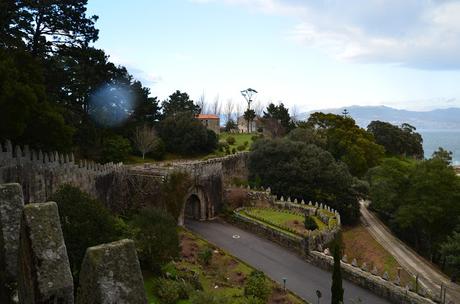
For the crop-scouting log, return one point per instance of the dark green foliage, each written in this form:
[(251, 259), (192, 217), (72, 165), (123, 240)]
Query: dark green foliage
[(205, 257), (231, 140), (443, 155), (159, 150), (183, 134), (230, 125), (281, 114), (156, 238), (336, 288), (241, 147), (85, 222), (116, 149), (418, 200), (305, 171), (173, 191), (249, 116), (310, 223), (398, 141), (167, 291), (257, 286), (179, 102), (450, 249), (347, 142), (233, 150), (308, 135), (26, 116)]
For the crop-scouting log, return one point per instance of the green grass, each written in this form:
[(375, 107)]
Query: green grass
[(282, 218), (240, 138), (223, 265)]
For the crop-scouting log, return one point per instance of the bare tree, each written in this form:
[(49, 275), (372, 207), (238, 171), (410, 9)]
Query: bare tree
[(238, 112), (144, 139), (216, 107), (229, 110), (259, 108), (295, 114), (202, 103)]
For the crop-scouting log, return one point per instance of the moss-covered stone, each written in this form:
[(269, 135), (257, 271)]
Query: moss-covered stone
[(45, 275), (11, 204), (111, 273)]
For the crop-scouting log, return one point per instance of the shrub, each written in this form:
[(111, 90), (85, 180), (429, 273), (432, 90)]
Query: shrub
[(257, 286), (231, 140), (222, 146), (159, 150), (246, 143), (310, 223), (205, 257), (254, 137), (156, 238), (85, 222), (233, 151), (241, 148), (167, 291), (184, 134), (115, 149)]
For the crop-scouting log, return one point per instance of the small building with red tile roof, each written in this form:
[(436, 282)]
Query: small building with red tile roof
[(211, 121)]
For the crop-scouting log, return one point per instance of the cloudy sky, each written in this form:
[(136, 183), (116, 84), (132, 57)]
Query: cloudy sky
[(310, 53)]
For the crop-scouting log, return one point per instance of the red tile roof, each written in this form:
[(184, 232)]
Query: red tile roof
[(207, 116)]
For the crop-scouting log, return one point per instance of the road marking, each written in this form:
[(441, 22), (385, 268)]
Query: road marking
[(236, 236)]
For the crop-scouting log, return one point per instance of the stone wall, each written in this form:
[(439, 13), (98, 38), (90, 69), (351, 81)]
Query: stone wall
[(40, 173), (35, 266), (379, 285)]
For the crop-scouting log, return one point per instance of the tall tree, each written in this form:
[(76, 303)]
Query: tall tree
[(398, 141), (179, 102), (336, 288), (348, 142), (51, 24), (281, 114), (249, 116)]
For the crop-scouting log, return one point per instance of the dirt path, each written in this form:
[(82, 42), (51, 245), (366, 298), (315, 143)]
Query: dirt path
[(429, 275)]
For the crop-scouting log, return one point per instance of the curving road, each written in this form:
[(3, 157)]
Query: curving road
[(278, 263), (429, 275)]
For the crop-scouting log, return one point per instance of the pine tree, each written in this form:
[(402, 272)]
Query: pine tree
[(337, 289)]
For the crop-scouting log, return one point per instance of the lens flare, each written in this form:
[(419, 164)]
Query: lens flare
[(111, 105)]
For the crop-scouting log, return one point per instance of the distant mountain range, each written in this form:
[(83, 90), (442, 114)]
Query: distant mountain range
[(439, 119)]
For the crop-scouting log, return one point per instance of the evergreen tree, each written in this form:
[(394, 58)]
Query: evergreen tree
[(337, 289)]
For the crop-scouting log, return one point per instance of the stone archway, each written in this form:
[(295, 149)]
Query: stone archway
[(195, 206)]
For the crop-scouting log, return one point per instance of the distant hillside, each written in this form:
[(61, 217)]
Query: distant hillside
[(439, 119)]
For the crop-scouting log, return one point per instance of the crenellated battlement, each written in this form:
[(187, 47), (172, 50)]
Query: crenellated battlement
[(41, 172)]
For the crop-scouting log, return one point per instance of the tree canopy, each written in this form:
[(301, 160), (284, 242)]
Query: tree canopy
[(307, 172), (179, 102), (281, 114), (347, 142), (398, 141)]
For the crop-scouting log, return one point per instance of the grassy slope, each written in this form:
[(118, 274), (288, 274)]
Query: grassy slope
[(225, 271), (359, 244), (240, 138)]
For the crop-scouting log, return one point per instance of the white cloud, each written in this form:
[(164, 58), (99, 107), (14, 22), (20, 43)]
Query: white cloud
[(421, 34)]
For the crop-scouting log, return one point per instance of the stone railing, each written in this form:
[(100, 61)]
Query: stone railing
[(35, 267), (371, 280), (41, 173)]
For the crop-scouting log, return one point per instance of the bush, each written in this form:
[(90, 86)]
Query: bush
[(233, 151), (156, 238), (241, 148), (183, 134), (246, 143), (310, 223), (231, 140), (85, 222), (222, 146), (115, 149), (205, 257), (254, 137), (257, 286), (159, 150), (167, 291)]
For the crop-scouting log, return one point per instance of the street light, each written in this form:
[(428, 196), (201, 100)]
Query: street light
[(248, 94)]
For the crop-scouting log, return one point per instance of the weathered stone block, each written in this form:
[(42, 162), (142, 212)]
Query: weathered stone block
[(44, 275), (11, 204), (111, 273)]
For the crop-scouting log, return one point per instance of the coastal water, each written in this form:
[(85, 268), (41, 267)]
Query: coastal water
[(447, 139)]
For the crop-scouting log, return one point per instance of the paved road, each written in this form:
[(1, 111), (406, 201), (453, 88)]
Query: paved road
[(277, 262), (429, 275)]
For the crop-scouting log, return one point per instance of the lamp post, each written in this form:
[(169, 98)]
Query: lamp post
[(248, 94)]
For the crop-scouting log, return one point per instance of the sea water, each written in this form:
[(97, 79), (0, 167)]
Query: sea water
[(447, 139)]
